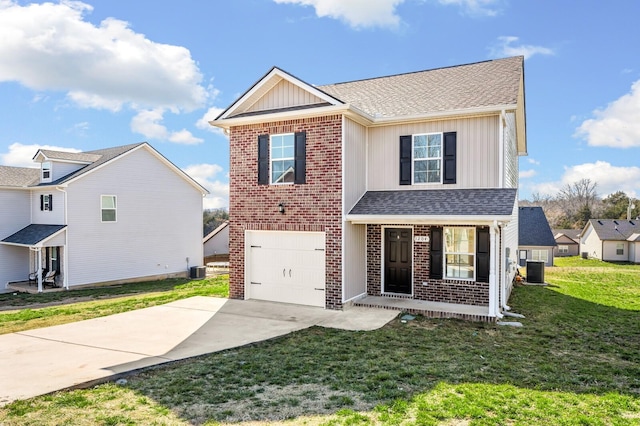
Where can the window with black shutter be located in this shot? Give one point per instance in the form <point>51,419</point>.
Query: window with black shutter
<point>435,254</point>
<point>428,158</point>
<point>282,158</point>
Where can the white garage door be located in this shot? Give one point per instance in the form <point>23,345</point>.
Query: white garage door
<point>286,267</point>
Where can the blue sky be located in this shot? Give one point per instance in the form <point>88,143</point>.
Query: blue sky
<point>99,73</point>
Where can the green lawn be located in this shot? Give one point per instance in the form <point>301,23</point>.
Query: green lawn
<point>575,362</point>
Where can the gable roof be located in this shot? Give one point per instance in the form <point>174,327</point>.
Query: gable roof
<point>481,204</point>
<point>533,228</point>
<point>71,157</point>
<point>613,229</point>
<point>18,177</point>
<point>489,87</point>
<point>215,232</point>
<point>572,234</point>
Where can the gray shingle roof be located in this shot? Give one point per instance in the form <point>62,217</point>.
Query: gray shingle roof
<point>615,229</point>
<point>18,176</point>
<point>438,202</point>
<point>481,84</point>
<point>533,228</point>
<point>33,234</point>
<point>83,157</point>
<point>574,234</point>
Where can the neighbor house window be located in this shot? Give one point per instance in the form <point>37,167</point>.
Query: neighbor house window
<point>427,158</point>
<point>540,255</point>
<point>46,202</point>
<point>563,249</point>
<point>46,170</point>
<point>282,154</point>
<point>620,249</point>
<point>459,256</point>
<point>108,207</point>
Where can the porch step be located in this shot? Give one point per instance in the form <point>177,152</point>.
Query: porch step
<point>428,309</point>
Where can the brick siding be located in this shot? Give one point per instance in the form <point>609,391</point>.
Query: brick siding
<point>424,288</point>
<point>313,206</point>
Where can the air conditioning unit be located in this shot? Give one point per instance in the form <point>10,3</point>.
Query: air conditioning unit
<point>535,272</point>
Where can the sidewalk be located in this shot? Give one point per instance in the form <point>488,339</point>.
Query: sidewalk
<point>40,361</point>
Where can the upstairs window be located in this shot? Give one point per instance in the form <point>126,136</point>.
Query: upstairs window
<point>46,202</point>
<point>108,208</point>
<point>46,171</point>
<point>427,158</point>
<point>282,158</point>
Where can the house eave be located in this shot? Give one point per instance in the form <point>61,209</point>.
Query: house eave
<point>368,219</point>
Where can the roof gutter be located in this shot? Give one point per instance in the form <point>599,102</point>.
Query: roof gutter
<point>363,219</point>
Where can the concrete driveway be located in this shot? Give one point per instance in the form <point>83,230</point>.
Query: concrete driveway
<point>44,360</point>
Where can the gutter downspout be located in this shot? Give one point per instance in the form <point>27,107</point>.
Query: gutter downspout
<point>506,273</point>
<point>65,267</point>
<point>494,305</point>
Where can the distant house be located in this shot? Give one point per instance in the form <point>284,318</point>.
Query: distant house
<point>216,244</point>
<point>536,241</point>
<point>616,240</point>
<point>112,215</point>
<point>568,242</point>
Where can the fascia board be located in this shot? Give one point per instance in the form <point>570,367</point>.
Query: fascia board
<point>421,219</point>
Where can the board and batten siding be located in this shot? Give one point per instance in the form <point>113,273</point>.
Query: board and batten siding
<point>510,152</point>
<point>284,95</point>
<point>354,187</point>
<point>48,217</point>
<point>15,209</point>
<point>159,222</point>
<point>477,161</point>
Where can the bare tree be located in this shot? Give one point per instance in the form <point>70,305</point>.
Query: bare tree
<point>577,201</point>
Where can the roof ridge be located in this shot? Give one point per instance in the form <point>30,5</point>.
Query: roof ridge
<point>421,71</point>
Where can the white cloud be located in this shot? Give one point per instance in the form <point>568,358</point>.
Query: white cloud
<point>206,175</point>
<point>609,179</point>
<point>20,155</point>
<point>475,7</point>
<point>356,13</point>
<point>505,47</point>
<point>527,174</point>
<point>203,122</point>
<point>617,125</point>
<point>50,46</point>
<point>533,161</point>
<point>149,124</point>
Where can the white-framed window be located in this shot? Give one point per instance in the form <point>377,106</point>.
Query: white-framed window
<point>46,171</point>
<point>46,202</point>
<point>459,253</point>
<point>427,158</point>
<point>108,208</point>
<point>562,249</point>
<point>540,255</point>
<point>282,155</point>
<point>620,249</point>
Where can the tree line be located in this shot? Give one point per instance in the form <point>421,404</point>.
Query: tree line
<point>212,218</point>
<point>578,202</point>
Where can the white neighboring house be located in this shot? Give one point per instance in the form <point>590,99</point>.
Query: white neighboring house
<point>216,242</point>
<point>112,215</point>
<point>616,240</point>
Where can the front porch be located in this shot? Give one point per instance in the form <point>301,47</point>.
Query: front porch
<point>427,308</point>
<point>30,287</point>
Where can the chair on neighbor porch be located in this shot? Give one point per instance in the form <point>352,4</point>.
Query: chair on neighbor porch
<point>33,276</point>
<point>50,279</point>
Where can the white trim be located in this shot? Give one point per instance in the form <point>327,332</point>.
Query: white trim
<point>115,208</point>
<point>424,219</point>
<point>343,214</point>
<point>501,149</point>
<point>271,159</point>
<point>474,254</point>
<point>427,158</point>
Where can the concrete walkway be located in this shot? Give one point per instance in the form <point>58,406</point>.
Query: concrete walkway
<point>40,361</point>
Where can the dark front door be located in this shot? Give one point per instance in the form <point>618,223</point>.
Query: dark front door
<point>397,260</point>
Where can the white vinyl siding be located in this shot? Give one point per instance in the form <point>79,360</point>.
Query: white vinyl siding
<point>108,208</point>
<point>159,222</point>
<point>61,169</point>
<point>611,251</point>
<point>477,156</point>
<point>355,184</point>
<point>48,217</point>
<point>511,169</point>
<point>15,208</point>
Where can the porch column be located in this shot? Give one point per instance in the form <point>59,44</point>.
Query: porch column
<point>39,257</point>
<point>494,308</point>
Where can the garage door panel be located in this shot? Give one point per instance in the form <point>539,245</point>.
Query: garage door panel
<point>286,267</point>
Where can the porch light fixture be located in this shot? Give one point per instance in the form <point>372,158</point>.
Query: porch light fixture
<point>281,208</point>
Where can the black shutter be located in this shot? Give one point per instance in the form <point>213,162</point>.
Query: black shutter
<point>263,160</point>
<point>435,255</point>
<point>50,202</point>
<point>482,254</point>
<point>405,160</point>
<point>449,158</point>
<point>41,202</point>
<point>300,157</point>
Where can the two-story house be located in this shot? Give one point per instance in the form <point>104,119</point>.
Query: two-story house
<point>397,191</point>
<point>112,215</point>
